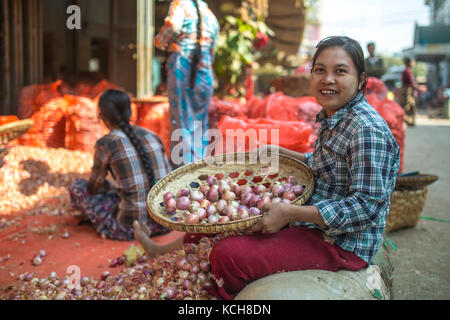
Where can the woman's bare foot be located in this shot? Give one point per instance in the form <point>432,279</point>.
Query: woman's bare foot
<point>142,235</point>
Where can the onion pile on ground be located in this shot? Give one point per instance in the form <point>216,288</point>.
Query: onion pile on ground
<point>183,274</point>
<point>35,180</point>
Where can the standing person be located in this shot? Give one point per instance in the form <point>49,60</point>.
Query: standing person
<point>189,34</point>
<point>374,64</point>
<point>136,159</point>
<point>407,97</point>
<point>355,163</point>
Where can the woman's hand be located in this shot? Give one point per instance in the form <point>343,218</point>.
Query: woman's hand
<point>278,215</point>
<point>275,217</point>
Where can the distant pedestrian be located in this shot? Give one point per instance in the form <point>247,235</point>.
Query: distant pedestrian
<point>374,64</point>
<point>409,85</point>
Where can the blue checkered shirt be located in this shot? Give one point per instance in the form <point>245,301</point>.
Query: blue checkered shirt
<point>355,162</point>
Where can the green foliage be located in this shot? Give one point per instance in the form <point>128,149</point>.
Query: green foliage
<point>235,52</point>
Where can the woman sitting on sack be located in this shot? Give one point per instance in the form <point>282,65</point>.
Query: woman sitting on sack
<point>355,162</point>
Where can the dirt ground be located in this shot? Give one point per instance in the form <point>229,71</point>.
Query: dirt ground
<point>423,254</point>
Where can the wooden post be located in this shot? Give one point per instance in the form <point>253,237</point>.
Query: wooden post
<point>112,42</point>
<point>145,34</point>
<point>16,53</point>
<point>5,68</point>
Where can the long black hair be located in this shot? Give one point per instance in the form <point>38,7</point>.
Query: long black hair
<point>353,49</point>
<point>115,108</point>
<point>198,48</point>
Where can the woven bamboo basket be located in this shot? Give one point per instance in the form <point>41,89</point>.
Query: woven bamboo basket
<point>405,209</point>
<point>241,168</point>
<point>415,182</point>
<point>13,130</point>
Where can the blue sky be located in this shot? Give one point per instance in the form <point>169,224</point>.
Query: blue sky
<point>389,23</point>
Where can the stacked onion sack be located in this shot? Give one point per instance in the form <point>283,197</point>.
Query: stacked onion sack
<point>224,200</point>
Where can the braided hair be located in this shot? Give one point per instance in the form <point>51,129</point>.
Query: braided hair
<point>198,48</point>
<point>115,109</point>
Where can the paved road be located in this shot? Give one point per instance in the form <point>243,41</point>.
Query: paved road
<point>423,256</point>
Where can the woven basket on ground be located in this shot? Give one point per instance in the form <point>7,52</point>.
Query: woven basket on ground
<point>13,130</point>
<point>241,168</point>
<point>414,182</point>
<point>405,209</point>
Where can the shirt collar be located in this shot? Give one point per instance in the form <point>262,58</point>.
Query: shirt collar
<point>118,132</point>
<point>338,115</point>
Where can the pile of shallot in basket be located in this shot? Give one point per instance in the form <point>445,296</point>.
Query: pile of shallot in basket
<point>222,201</point>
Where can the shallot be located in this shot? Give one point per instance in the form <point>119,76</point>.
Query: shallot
<point>192,219</point>
<point>212,195</point>
<point>228,195</point>
<point>36,260</point>
<point>221,206</point>
<point>211,210</point>
<point>183,193</point>
<point>297,189</point>
<point>183,203</point>
<point>194,206</point>
<point>171,205</point>
<point>254,211</point>
<point>246,189</point>
<point>246,197</point>
<point>260,189</point>
<point>213,219</point>
<point>167,196</point>
<point>205,266</point>
<point>289,195</point>
<point>211,180</point>
<point>196,196</point>
<point>201,214</point>
<point>254,200</point>
<point>204,188</point>
<point>291,180</point>
<point>224,219</point>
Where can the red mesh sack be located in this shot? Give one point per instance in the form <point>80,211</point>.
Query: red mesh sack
<point>293,135</point>
<point>156,118</point>
<point>32,97</point>
<point>219,108</point>
<point>278,106</point>
<point>49,125</point>
<point>393,114</point>
<point>83,127</point>
<point>376,86</point>
<point>103,85</point>
<point>8,119</point>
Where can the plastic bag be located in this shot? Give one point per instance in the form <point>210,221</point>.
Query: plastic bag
<point>156,118</point>
<point>293,135</point>
<point>278,106</point>
<point>219,108</point>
